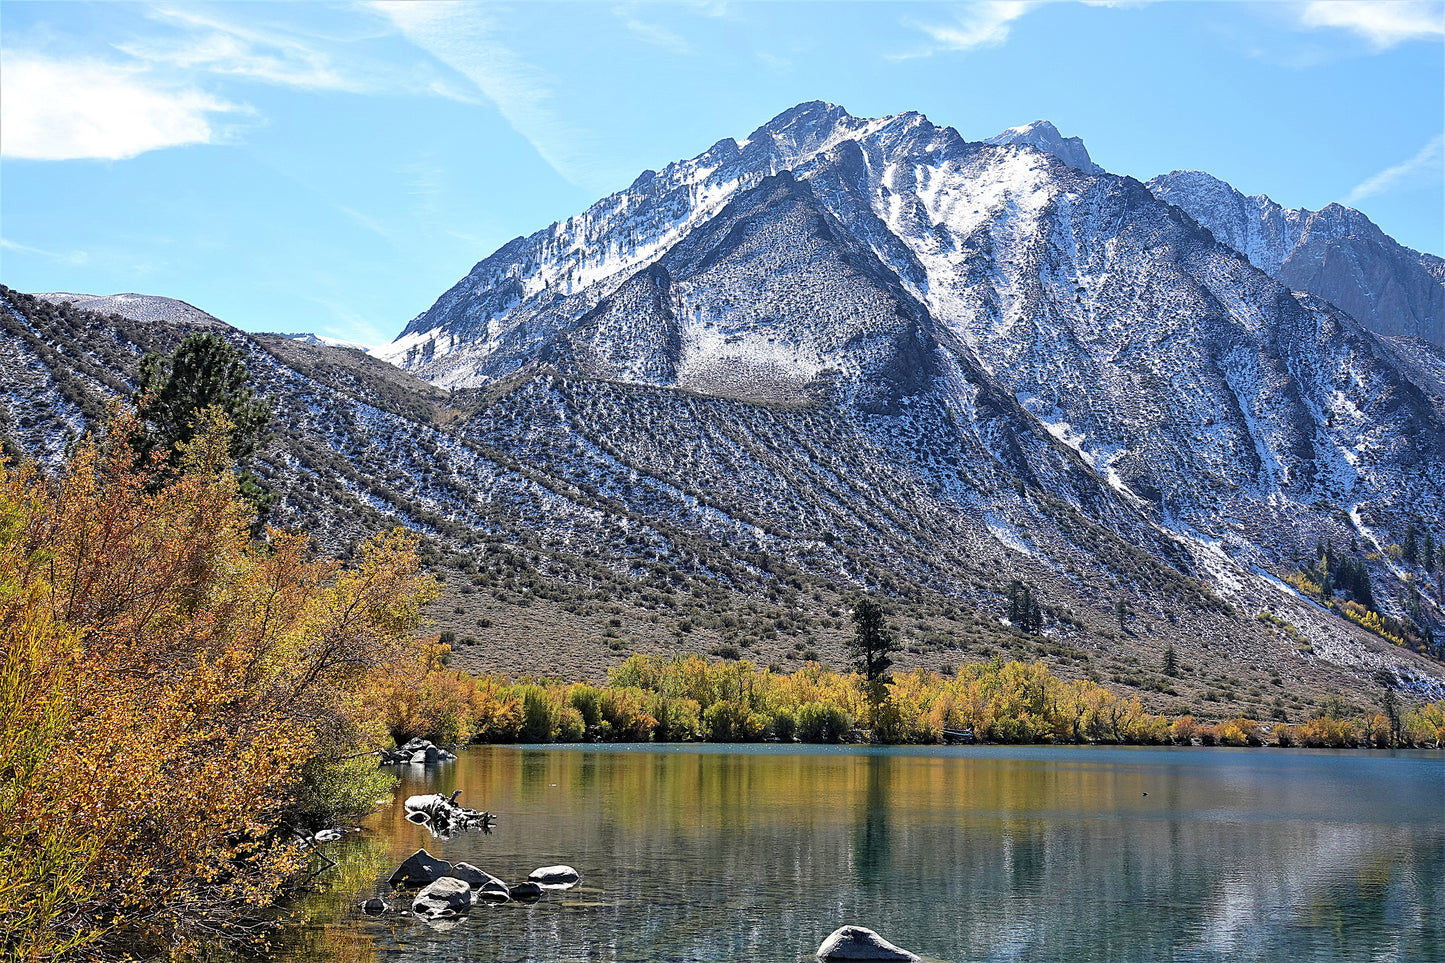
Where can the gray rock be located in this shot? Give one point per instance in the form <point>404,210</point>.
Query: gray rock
<point>484,884</point>
<point>446,897</point>
<point>420,869</point>
<point>375,906</point>
<point>555,877</point>
<point>528,892</point>
<point>860,943</point>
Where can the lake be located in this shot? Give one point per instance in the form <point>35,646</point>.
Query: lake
<point>756,853</point>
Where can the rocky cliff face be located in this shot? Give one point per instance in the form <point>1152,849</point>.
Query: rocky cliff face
<point>1336,253</point>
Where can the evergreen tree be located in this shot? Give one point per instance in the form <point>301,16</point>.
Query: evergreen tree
<point>1121,612</point>
<point>1171,661</point>
<point>205,371</point>
<point>1410,550</point>
<point>173,394</point>
<point>872,640</point>
<point>1023,608</point>
<point>1428,554</point>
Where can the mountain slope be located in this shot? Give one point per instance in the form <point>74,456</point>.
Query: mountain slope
<point>920,272</point>
<point>576,519</point>
<point>1336,253</point>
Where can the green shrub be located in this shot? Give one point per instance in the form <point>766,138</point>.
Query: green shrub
<point>570,727</point>
<point>785,725</point>
<point>539,715</point>
<point>820,722</point>
<point>587,700</point>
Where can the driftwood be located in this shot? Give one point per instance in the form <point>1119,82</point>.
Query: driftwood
<point>443,817</point>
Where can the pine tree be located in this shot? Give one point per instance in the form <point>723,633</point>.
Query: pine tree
<point>1410,550</point>
<point>174,395</point>
<point>205,371</point>
<point>1023,608</point>
<point>1428,555</point>
<point>872,640</point>
<point>1171,661</point>
<point>1121,612</point>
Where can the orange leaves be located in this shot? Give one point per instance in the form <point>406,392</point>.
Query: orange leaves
<point>167,682</point>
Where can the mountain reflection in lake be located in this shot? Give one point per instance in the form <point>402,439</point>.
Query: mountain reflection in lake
<point>987,853</point>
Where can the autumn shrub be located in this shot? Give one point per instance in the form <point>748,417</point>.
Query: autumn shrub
<point>540,715</point>
<point>1325,732</point>
<point>1424,727</point>
<point>785,724</point>
<point>625,713</point>
<point>678,719</point>
<point>587,700</point>
<point>1183,731</point>
<point>1238,731</point>
<point>176,695</point>
<point>820,722</point>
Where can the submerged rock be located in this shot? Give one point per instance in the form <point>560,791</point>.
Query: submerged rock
<point>375,906</point>
<point>484,884</point>
<point>555,877</point>
<point>446,897</point>
<point>420,869</point>
<point>528,892</point>
<point>860,943</point>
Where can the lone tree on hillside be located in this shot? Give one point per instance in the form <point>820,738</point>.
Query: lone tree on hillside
<point>1023,608</point>
<point>872,640</point>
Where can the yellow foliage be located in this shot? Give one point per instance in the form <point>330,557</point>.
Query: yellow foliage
<point>1370,620</point>
<point>166,683</point>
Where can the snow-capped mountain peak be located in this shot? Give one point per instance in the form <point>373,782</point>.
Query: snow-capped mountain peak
<point>1046,137</point>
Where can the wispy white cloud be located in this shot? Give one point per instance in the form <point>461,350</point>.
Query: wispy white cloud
<point>462,36</point>
<point>74,258</point>
<point>68,110</point>
<point>973,26</point>
<point>1384,23</point>
<point>205,43</point>
<point>652,33</point>
<point>366,221</point>
<point>1428,166</point>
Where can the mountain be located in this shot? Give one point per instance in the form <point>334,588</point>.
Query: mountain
<point>1046,137</point>
<point>1336,253</point>
<point>847,354</point>
<point>576,519</point>
<point>1058,322</point>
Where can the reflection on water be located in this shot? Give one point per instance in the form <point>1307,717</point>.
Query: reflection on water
<point>757,853</point>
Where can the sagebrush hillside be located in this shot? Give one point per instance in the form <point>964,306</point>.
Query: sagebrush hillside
<point>577,519</point>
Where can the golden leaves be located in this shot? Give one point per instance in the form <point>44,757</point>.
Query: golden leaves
<point>166,682</point>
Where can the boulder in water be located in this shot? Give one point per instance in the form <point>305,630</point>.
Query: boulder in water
<point>555,877</point>
<point>375,906</point>
<point>484,885</point>
<point>860,943</point>
<point>528,892</point>
<point>420,869</point>
<point>446,897</point>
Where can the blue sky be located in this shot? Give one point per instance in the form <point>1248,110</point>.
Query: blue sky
<point>334,168</point>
